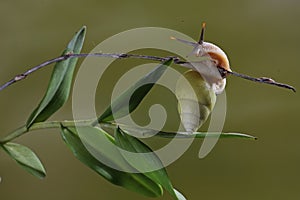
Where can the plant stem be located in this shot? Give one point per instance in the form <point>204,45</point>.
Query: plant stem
<point>43,125</point>
<point>112,125</point>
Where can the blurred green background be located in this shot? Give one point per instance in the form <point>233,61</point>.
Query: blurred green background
<point>261,38</point>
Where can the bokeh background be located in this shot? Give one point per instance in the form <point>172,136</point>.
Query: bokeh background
<point>261,38</point>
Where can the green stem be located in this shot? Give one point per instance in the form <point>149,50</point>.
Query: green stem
<point>43,125</point>
<point>141,131</point>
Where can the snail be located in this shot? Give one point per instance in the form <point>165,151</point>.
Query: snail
<point>196,90</point>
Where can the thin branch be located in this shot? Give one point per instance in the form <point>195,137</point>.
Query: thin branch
<point>33,69</point>
<point>144,57</point>
<point>22,76</point>
<point>265,80</point>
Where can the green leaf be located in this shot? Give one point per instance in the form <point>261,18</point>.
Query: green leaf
<point>26,158</point>
<point>132,181</point>
<point>205,134</point>
<point>151,132</point>
<point>140,156</point>
<point>223,135</point>
<point>179,195</point>
<point>134,95</point>
<point>60,82</point>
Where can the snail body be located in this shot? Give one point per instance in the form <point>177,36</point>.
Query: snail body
<point>196,100</point>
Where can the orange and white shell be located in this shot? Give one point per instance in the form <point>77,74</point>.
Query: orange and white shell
<point>208,68</point>
<point>215,53</point>
<point>206,58</point>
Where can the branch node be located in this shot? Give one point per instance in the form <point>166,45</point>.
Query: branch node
<point>19,77</point>
<point>123,55</point>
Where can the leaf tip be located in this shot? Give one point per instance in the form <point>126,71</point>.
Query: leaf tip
<point>83,28</point>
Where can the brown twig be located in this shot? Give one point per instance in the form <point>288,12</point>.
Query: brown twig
<point>265,80</point>
<point>68,56</point>
<point>145,57</point>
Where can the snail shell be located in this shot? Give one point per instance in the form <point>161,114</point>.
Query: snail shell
<point>196,90</point>
<point>208,68</point>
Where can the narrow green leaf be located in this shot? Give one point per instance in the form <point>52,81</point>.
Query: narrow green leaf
<point>134,95</point>
<point>223,135</point>
<point>179,195</point>
<point>132,181</point>
<point>26,158</point>
<point>60,82</point>
<point>151,132</point>
<point>205,134</point>
<point>102,146</point>
<point>144,159</point>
